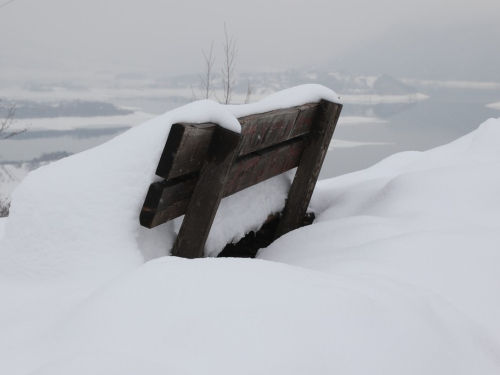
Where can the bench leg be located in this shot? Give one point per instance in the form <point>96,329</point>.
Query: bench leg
<point>307,174</point>
<point>200,214</point>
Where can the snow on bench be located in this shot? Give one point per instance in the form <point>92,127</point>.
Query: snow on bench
<point>201,164</point>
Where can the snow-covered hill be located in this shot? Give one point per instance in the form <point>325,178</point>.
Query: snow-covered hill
<point>12,173</point>
<point>352,88</point>
<point>398,274</point>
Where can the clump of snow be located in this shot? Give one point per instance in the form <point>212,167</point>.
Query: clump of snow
<point>308,93</point>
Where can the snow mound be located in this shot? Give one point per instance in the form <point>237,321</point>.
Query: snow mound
<point>269,319</point>
<point>430,219</point>
<point>82,212</point>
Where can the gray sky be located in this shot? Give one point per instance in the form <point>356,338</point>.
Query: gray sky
<point>166,37</point>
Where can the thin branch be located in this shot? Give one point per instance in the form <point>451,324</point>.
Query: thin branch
<point>230,53</point>
<point>249,91</point>
<point>6,123</point>
<point>193,94</point>
<point>4,207</point>
<point>206,82</point>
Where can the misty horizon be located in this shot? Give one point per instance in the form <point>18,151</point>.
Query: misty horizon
<point>158,40</point>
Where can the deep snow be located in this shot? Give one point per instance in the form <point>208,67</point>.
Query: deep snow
<point>398,274</point>
<point>88,202</point>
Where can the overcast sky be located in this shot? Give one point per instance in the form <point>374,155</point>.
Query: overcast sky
<point>166,37</point>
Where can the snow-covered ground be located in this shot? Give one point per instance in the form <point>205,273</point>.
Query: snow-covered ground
<point>10,177</point>
<point>398,274</point>
<point>481,85</point>
<point>386,99</point>
<point>72,123</point>
<point>3,220</point>
<point>494,105</point>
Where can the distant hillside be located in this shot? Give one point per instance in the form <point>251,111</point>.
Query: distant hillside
<point>342,82</point>
<point>76,108</point>
<point>12,173</point>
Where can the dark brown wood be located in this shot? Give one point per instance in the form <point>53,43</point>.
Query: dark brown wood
<point>207,194</point>
<point>307,174</point>
<point>248,246</point>
<point>256,167</point>
<point>187,144</point>
<point>185,149</point>
<point>167,200</point>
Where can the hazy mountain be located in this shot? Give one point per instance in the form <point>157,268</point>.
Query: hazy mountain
<point>447,53</point>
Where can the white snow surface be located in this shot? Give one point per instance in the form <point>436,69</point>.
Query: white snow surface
<point>494,105</point>
<point>398,274</point>
<point>3,220</point>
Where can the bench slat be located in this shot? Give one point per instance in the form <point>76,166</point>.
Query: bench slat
<point>167,200</point>
<point>187,144</point>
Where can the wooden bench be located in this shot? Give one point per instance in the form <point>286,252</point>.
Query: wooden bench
<point>201,164</point>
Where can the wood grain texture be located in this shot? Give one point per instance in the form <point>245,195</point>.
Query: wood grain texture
<point>167,200</point>
<point>322,129</point>
<point>207,194</point>
<point>185,149</point>
<point>187,144</point>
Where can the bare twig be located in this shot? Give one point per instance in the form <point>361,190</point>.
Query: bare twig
<point>249,91</point>
<point>207,80</point>
<point>193,94</point>
<point>6,123</point>
<point>227,73</point>
<point>4,207</point>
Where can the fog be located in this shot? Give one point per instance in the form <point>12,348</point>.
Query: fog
<point>108,58</point>
<point>166,38</point>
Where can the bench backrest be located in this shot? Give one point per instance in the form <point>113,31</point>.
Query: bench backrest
<point>203,163</point>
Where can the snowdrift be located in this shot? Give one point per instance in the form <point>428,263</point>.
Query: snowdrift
<point>398,274</point>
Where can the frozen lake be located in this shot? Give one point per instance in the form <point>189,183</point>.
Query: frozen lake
<point>445,116</point>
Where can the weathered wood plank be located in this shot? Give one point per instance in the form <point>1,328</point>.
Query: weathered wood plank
<point>185,149</point>
<point>307,174</point>
<point>169,199</point>
<point>207,194</point>
<point>251,169</point>
<point>187,144</point>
